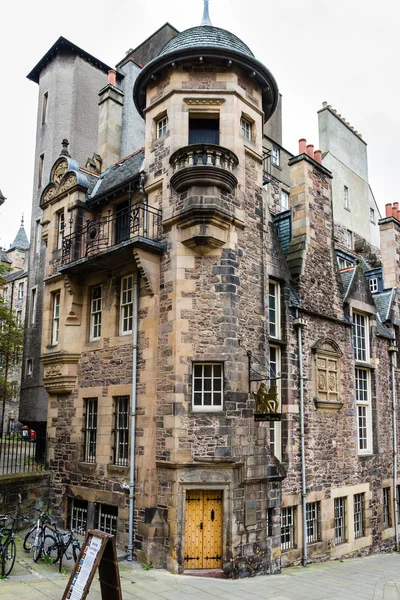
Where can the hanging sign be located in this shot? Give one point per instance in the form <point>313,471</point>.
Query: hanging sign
<point>267,404</point>
<point>98,552</point>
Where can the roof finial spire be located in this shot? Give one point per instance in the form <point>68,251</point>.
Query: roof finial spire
<point>22,220</point>
<point>206,16</point>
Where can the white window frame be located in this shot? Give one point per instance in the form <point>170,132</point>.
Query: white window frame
<point>340,516</point>
<point>361,337</point>
<point>275,427</point>
<point>33,305</point>
<point>349,239</point>
<point>284,204</point>
<point>372,214</point>
<point>346,199</point>
<point>276,156</point>
<point>363,408</point>
<point>373,285</point>
<point>288,541</point>
<point>55,327</point>
<point>38,239</point>
<point>126,305</point>
<point>95,312</point>
<point>60,228</point>
<point>312,522</point>
<point>358,515</point>
<point>274,309</point>
<point>161,126</point>
<point>29,366</point>
<point>21,289</point>
<point>205,382</point>
<point>19,317</point>
<point>246,127</point>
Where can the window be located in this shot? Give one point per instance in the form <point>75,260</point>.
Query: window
<point>38,236</point>
<point>273,309</point>
<point>79,510</point>
<point>312,522</point>
<point>19,317</point>
<point>204,129</point>
<point>358,515</point>
<point>360,337</point>
<point>373,285</point>
<point>275,426</point>
<point>60,229</point>
<point>20,291</point>
<point>287,528</point>
<point>246,128</point>
<point>44,107</point>
<point>340,520</point>
<point>346,197</point>
<point>363,401</point>
<point>5,293</point>
<point>106,518</point>
<point>344,264</point>
<point>372,215</point>
<point>284,200</point>
<point>56,319</point>
<point>90,430</point>
<point>386,507</point>
<point>95,313</point>
<point>40,170</point>
<point>398,503</point>
<point>33,305</point>
<point>29,366</point>
<point>349,239</point>
<point>162,126</point>
<point>126,308</point>
<point>207,386</point>
<point>276,155</point>
<point>121,430</point>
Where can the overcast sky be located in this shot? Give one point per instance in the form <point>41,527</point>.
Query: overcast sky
<point>344,51</point>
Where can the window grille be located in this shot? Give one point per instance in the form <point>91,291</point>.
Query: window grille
<point>207,386</point>
<point>79,509</point>
<point>358,503</point>
<point>90,430</point>
<point>106,518</point>
<point>287,528</point>
<point>121,431</point>
<point>312,522</point>
<point>386,507</point>
<point>340,520</point>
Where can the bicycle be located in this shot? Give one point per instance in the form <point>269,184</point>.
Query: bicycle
<point>56,546</point>
<point>8,549</point>
<point>35,536</point>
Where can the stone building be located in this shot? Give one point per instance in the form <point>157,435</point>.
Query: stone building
<point>15,259</point>
<point>220,366</point>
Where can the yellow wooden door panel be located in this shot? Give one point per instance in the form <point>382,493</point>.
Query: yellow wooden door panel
<point>193,552</point>
<point>212,530</point>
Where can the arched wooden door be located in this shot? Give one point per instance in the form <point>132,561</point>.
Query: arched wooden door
<point>203,529</point>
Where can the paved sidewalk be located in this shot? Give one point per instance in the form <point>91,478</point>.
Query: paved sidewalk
<point>371,578</point>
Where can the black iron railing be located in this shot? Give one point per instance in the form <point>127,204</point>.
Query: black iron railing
<point>104,232</point>
<point>22,455</point>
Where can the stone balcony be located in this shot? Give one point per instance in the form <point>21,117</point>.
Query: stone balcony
<point>204,165</point>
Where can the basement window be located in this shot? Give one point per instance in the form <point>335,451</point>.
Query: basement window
<point>106,518</point>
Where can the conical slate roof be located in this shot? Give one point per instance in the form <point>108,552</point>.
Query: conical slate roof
<point>206,36</point>
<point>21,241</point>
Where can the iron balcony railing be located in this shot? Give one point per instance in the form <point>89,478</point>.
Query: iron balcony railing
<point>104,232</point>
<point>22,455</point>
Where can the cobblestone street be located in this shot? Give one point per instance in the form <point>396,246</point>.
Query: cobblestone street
<point>372,578</point>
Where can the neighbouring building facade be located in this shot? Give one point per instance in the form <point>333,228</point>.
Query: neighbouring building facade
<point>219,354</point>
<point>14,292</point>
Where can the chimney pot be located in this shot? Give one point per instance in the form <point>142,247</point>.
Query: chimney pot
<point>310,150</point>
<point>318,156</point>
<point>302,145</point>
<point>388,210</point>
<point>112,77</point>
<point>395,209</point>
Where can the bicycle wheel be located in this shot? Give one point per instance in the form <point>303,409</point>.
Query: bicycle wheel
<point>38,546</point>
<point>30,539</point>
<point>76,548</point>
<point>51,549</point>
<point>8,559</point>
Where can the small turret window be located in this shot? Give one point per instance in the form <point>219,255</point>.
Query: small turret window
<point>162,127</point>
<point>246,128</point>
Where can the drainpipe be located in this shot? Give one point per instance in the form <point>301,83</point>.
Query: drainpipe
<point>392,349</point>
<point>299,323</point>
<point>133,413</point>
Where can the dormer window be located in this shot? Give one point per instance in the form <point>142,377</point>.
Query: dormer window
<point>204,129</point>
<point>373,285</point>
<point>162,127</point>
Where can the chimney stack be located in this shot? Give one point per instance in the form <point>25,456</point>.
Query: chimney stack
<point>302,146</point>
<point>110,121</point>
<point>389,228</point>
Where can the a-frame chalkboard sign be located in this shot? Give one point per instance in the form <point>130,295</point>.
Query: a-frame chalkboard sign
<point>98,552</point>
